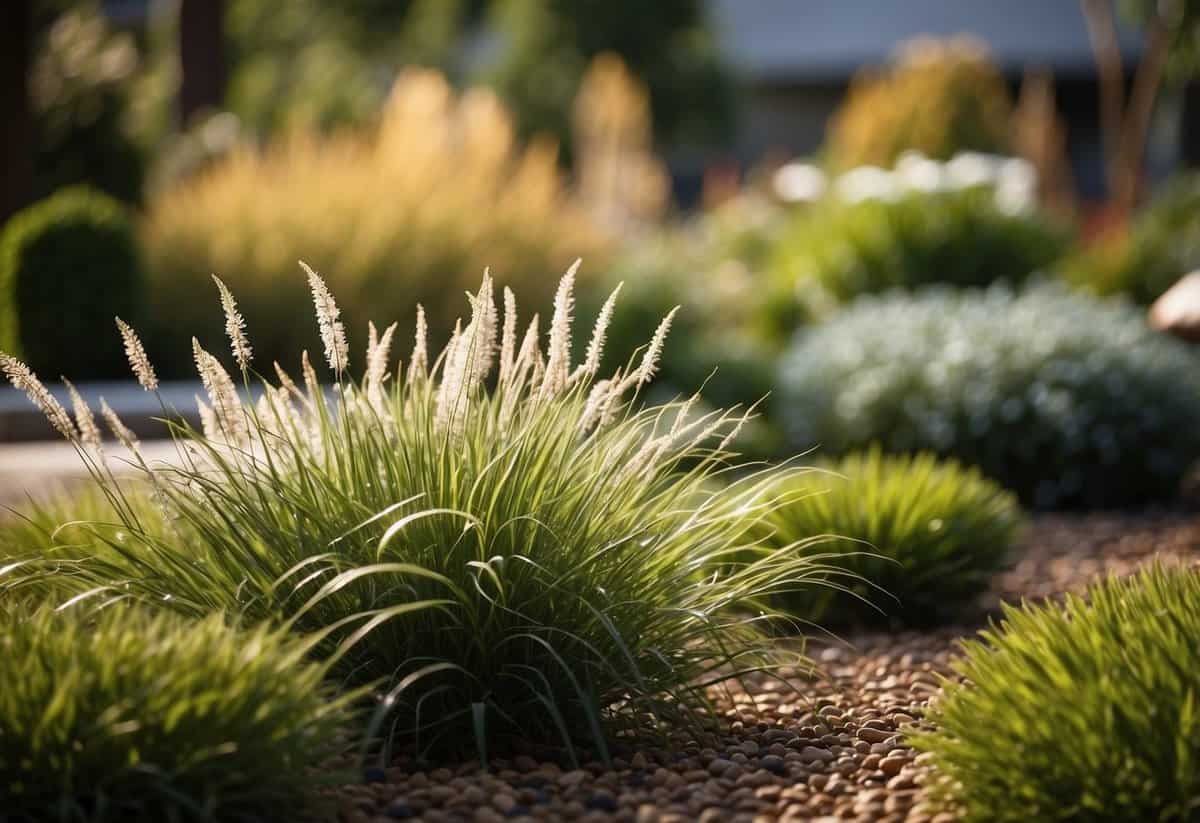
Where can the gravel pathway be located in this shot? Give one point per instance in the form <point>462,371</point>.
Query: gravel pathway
<point>827,750</point>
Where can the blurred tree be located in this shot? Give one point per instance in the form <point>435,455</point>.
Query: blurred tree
<point>281,75</point>
<point>548,44</point>
<point>1180,20</point>
<point>1172,48</point>
<point>80,84</point>
<point>16,138</point>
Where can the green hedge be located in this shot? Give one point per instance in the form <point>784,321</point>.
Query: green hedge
<point>68,264</point>
<point>840,250</point>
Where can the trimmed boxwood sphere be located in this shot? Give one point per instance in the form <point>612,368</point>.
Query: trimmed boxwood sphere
<point>1067,400</point>
<point>68,264</point>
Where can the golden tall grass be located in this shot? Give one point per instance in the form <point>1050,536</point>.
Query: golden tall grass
<point>938,97</point>
<point>399,215</point>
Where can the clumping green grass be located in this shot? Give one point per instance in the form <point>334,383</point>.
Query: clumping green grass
<point>123,714</point>
<point>1085,710</point>
<point>530,560</point>
<point>914,538</point>
<point>69,524</point>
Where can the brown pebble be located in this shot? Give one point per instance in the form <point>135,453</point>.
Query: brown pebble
<point>811,754</point>
<point>873,735</point>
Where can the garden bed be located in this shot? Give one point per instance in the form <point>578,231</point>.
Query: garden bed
<point>828,748</point>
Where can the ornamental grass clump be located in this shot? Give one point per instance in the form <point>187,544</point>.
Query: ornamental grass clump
<point>1068,401</point>
<point>503,544</point>
<point>916,538</point>
<point>1084,710</point>
<point>121,714</point>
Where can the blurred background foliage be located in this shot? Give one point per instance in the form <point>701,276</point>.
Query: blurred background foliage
<point>1162,243</point>
<point>401,147</point>
<point>409,212</point>
<point>81,87</point>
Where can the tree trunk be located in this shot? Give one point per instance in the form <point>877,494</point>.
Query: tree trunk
<point>16,137</point>
<point>201,57</point>
<point>1146,83</point>
<point>1102,31</point>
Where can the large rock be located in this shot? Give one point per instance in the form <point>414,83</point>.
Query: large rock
<point>1177,312</point>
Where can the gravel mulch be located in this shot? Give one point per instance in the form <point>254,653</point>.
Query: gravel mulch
<point>827,749</point>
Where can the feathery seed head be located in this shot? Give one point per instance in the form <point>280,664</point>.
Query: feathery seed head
<point>208,420</point>
<point>418,364</point>
<point>333,334</point>
<point>24,379</point>
<point>235,326</point>
<point>120,431</point>
<point>558,351</point>
<point>377,354</point>
<point>136,353</point>
<point>311,385</point>
<point>595,349</point>
<point>222,393</point>
<point>89,433</point>
<point>508,339</point>
<point>650,359</point>
<point>285,380</point>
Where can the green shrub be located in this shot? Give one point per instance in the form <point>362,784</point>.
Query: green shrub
<point>939,97</point>
<point>525,561</point>
<point>916,538</point>
<point>840,250</point>
<point>1162,246</point>
<point>123,715</point>
<point>67,265</point>
<point>1064,399</point>
<point>1079,711</point>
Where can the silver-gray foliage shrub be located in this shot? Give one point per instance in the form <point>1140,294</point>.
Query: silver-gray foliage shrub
<point>1065,399</point>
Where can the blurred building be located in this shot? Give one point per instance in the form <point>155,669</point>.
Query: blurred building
<point>796,58</point>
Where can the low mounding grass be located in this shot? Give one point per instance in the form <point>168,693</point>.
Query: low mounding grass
<point>917,538</point>
<point>125,715</point>
<point>64,519</point>
<point>533,560</point>
<point>70,524</point>
<point>1081,711</point>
